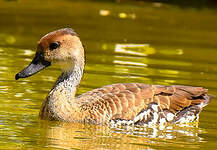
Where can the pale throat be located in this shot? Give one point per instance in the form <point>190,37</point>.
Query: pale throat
<point>70,78</point>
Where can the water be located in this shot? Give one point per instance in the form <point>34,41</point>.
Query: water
<point>137,42</point>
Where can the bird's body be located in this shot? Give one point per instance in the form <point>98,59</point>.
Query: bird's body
<point>123,103</point>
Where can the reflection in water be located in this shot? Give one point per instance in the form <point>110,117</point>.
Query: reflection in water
<point>128,63</point>
<point>136,60</point>
<point>169,131</point>
<point>80,136</point>
<point>134,49</point>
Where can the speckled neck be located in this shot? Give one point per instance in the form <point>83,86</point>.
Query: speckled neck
<point>61,101</point>
<point>69,80</point>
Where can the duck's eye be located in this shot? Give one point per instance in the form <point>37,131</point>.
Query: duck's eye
<point>54,45</point>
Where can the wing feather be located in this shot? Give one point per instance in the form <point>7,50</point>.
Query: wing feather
<point>125,101</point>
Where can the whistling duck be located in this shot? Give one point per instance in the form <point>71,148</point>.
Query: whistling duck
<point>123,103</point>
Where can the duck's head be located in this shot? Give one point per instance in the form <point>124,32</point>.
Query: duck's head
<point>62,46</point>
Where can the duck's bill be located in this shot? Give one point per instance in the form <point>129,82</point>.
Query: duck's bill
<point>37,64</point>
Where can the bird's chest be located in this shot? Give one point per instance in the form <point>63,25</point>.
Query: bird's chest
<point>60,106</point>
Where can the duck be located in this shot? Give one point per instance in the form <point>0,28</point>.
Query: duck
<point>119,103</point>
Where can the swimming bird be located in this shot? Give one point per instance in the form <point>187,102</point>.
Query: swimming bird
<point>122,103</point>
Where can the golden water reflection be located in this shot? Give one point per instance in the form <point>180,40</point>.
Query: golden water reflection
<point>80,136</point>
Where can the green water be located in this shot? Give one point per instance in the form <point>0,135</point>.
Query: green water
<point>137,42</point>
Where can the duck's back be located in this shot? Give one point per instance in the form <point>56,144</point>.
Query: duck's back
<point>137,103</point>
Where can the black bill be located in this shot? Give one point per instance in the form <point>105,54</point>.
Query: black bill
<point>37,64</point>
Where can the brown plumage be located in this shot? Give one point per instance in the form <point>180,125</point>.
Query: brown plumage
<point>124,103</point>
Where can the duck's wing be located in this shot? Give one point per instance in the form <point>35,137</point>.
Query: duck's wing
<point>126,101</point>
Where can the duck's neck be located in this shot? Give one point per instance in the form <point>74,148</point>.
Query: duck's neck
<point>61,102</point>
<point>70,79</point>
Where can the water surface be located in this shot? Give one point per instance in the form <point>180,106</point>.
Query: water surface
<point>138,42</point>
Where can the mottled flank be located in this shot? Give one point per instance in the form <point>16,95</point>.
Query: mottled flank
<point>137,103</point>
<point>116,104</point>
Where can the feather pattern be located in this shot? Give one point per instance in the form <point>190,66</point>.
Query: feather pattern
<point>127,101</point>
